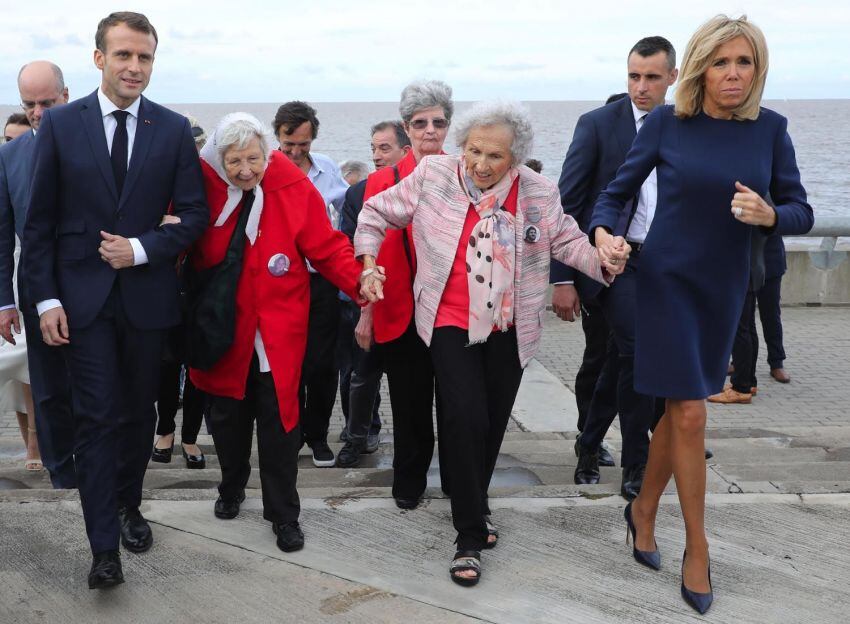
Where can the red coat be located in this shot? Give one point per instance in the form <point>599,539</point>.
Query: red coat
<point>392,315</point>
<point>294,222</point>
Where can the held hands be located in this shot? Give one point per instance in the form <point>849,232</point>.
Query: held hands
<point>372,283</point>
<point>9,320</point>
<point>364,333</point>
<point>116,250</point>
<point>613,251</point>
<point>749,207</point>
<point>54,327</point>
<point>565,302</point>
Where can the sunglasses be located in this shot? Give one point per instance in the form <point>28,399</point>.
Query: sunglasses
<point>421,124</point>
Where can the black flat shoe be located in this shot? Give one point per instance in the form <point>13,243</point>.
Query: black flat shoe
<point>228,509</point>
<point>709,453</point>
<point>605,457</point>
<point>136,534</point>
<point>466,561</point>
<point>196,462</point>
<point>699,602</point>
<point>289,536</point>
<point>106,570</point>
<point>407,503</point>
<point>649,558</point>
<point>587,468</point>
<point>162,455</point>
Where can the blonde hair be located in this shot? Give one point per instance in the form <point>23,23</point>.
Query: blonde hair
<point>698,56</point>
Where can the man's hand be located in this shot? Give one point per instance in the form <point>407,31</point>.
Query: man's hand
<point>116,250</point>
<point>364,333</point>
<point>8,320</point>
<point>565,302</point>
<point>54,327</point>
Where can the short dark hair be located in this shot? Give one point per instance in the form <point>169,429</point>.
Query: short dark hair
<point>17,119</point>
<point>615,97</point>
<point>534,165</point>
<point>397,127</point>
<point>134,21</point>
<point>653,45</point>
<point>292,114</point>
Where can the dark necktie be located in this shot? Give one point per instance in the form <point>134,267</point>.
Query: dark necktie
<point>641,120</point>
<point>119,150</point>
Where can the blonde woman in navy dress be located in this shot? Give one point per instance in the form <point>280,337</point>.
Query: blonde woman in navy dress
<point>717,154</point>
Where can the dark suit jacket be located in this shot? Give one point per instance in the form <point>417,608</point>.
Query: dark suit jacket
<point>601,140</point>
<point>73,197</point>
<point>15,163</point>
<point>351,209</point>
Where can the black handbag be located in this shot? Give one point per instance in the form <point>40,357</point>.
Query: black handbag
<point>210,297</point>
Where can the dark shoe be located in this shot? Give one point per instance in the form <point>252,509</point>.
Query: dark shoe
<point>162,456</point>
<point>197,462</point>
<point>228,509</point>
<point>343,435</point>
<point>699,602</point>
<point>106,570</point>
<point>632,481</point>
<point>605,457</point>
<point>651,559</point>
<point>587,469</point>
<point>780,375</point>
<point>466,561</point>
<point>136,535</point>
<point>323,456</point>
<point>373,441</point>
<point>289,536</point>
<point>407,503</point>
<point>349,455</point>
<point>709,453</point>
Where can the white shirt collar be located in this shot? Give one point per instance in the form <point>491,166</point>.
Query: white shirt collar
<point>107,105</point>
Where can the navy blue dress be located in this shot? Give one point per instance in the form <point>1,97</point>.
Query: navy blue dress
<point>694,266</point>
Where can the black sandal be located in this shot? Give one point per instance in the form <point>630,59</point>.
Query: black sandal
<point>465,561</point>
<point>491,531</point>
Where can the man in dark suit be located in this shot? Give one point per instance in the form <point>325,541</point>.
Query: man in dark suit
<point>100,268</point>
<point>41,86</point>
<point>600,143</point>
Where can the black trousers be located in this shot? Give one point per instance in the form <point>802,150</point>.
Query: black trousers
<point>590,373</point>
<point>114,371</point>
<point>233,431</point>
<point>637,411</point>
<point>317,391</point>
<point>768,298</point>
<point>410,377</point>
<point>360,375</point>
<point>194,403</point>
<point>478,386</point>
<point>745,348</point>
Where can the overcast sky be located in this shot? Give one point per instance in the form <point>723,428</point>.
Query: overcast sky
<point>367,50</point>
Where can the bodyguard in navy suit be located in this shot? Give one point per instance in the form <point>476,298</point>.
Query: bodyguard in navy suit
<point>107,170</point>
<point>41,86</point>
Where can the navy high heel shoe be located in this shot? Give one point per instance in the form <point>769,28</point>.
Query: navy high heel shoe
<point>699,602</point>
<point>649,558</point>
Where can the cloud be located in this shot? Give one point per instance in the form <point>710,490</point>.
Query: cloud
<point>46,42</point>
<point>516,67</point>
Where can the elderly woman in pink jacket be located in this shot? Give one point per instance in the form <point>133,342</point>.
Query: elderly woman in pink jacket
<point>485,228</point>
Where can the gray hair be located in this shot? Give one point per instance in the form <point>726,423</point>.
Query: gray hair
<point>357,167</point>
<point>237,130</point>
<point>57,75</point>
<point>511,114</point>
<point>425,94</point>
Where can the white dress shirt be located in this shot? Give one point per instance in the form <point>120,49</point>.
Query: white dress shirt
<point>107,106</point>
<point>647,198</point>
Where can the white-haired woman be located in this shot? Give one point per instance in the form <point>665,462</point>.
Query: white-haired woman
<point>485,228</point>
<point>717,154</point>
<point>257,377</point>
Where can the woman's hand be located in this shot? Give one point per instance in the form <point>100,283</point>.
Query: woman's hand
<point>364,333</point>
<point>749,207</point>
<point>372,281</point>
<point>613,251</point>
<point>169,220</point>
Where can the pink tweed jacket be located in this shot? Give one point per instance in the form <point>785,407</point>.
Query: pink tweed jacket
<point>432,198</point>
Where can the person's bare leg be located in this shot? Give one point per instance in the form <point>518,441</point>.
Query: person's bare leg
<point>687,446</point>
<point>659,469</point>
<point>33,453</point>
<point>23,425</point>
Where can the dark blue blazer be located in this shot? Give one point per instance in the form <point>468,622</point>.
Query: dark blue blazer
<point>774,257</point>
<point>601,140</point>
<point>15,163</point>
<point>73,197</point>
<point>351,208</point>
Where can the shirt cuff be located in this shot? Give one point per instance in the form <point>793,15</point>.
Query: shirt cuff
<point>139,254</point>
<point>570,282</point>
<point>8,307</point>
<point>48,304</point>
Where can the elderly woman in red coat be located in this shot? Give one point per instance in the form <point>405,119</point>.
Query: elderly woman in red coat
<point>258,376</point>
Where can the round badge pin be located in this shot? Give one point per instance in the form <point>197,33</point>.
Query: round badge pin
<point>278,264</point>
<point>533,214</point>
<point>532,234</point>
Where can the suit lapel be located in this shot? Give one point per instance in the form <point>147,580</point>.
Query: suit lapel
<point>141,143</point>
<point>626,130</point>
<point>93,123</point>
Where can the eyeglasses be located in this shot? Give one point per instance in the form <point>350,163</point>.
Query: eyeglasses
<point>29,105</point>
<point>420,124</point>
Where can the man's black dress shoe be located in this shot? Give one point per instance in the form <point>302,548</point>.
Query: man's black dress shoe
<point>289,536</point>
<point>106,570</point>
<point>136,535</point>
<point>632,481</point>
<point>605,457</point>
<point>587,469</point>
<point>407,503</point>
<point>709,453</point>
<point>162,455</point>
<point>228,509</point>
<point>197,462</point>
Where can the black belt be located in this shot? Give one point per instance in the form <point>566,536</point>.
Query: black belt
<point>636,247</point>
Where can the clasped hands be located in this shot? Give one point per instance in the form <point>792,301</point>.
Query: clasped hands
<point>117,250</point>
<point>613,251</point>
<point>372,282</point>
